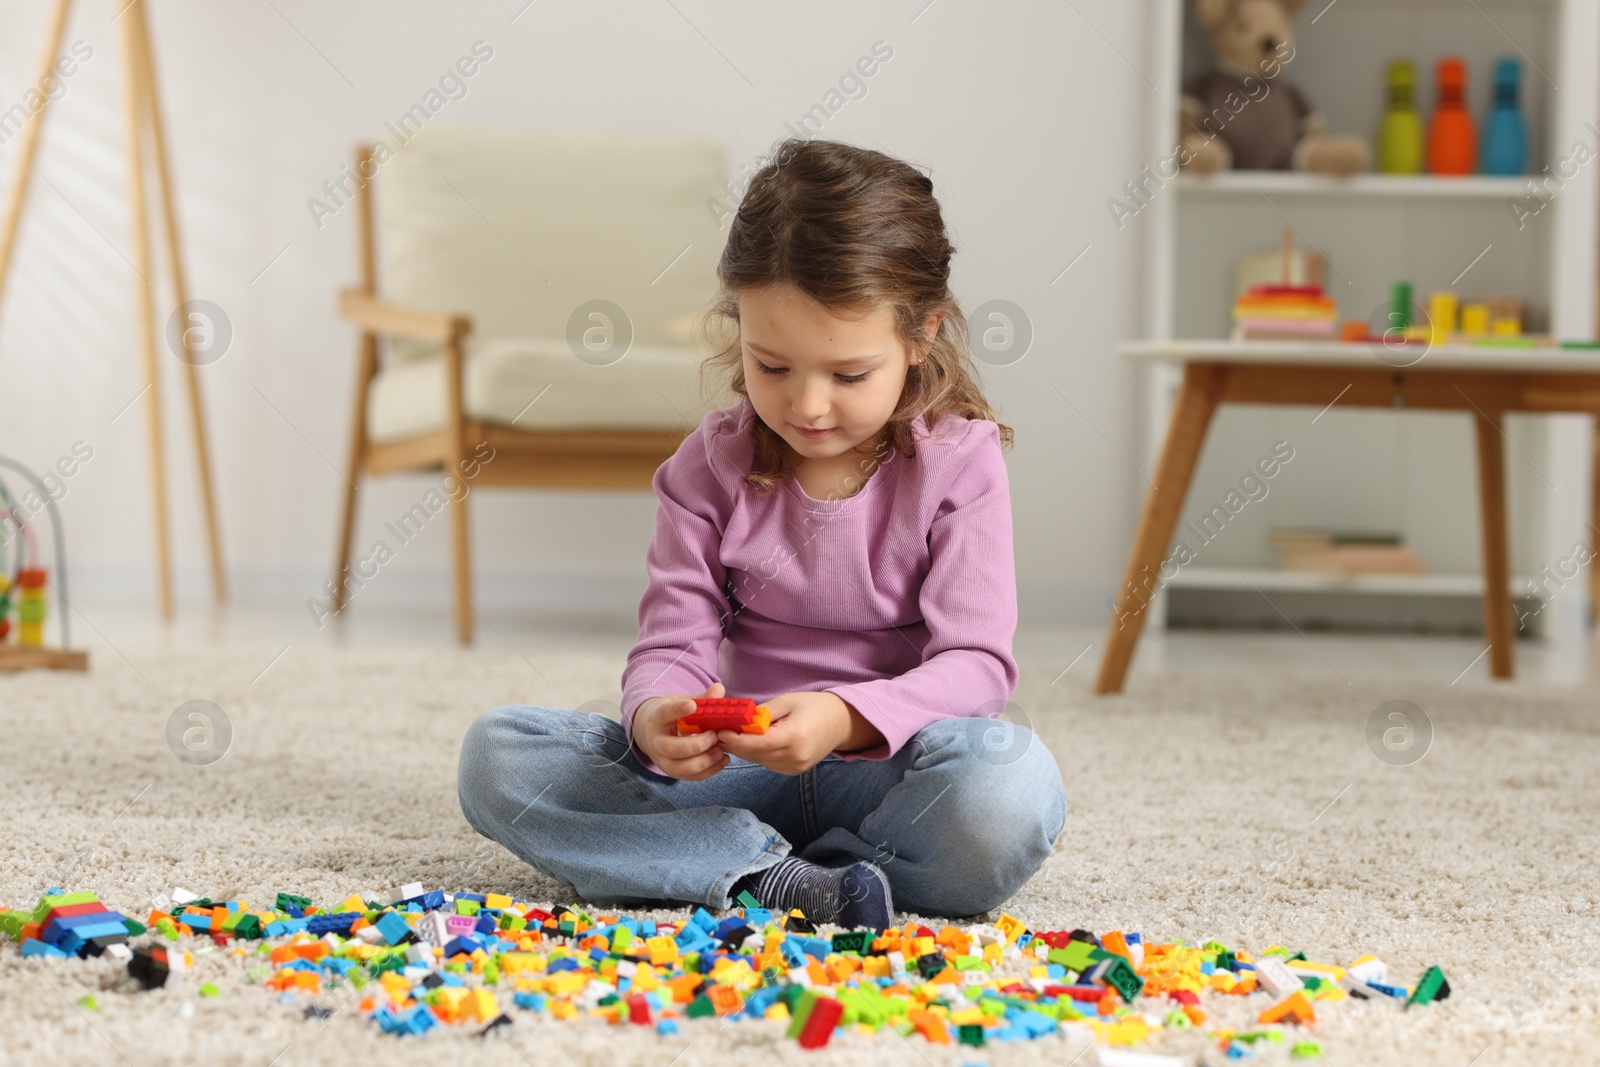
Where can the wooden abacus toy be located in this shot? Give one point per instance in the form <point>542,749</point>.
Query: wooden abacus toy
<point>26,582</point>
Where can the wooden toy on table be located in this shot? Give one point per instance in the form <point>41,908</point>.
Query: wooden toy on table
<point>1284,311</point>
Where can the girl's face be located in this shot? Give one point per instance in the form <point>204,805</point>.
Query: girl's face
<point>804,368</point>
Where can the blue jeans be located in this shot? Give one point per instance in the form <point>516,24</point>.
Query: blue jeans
<point>958,819</point>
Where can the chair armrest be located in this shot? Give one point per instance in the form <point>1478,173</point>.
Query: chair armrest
<point>372,314</point>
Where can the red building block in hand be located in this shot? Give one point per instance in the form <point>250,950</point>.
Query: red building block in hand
<point>726,713</point>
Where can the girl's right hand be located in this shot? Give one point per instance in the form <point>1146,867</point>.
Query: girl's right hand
<point>690,757</point>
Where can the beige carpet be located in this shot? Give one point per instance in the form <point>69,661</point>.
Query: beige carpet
<point>1200,808</point>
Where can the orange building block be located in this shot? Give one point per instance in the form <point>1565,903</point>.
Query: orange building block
<point>683,987</point>
<point>931,1027</point>
<point>725,999</point>
<point>1294,1008</point>
<point>1115,942</point>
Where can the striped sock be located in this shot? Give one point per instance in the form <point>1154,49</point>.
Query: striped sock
<point>857,895</point>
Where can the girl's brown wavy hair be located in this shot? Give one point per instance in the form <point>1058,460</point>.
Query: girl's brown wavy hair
<point>853,229</point>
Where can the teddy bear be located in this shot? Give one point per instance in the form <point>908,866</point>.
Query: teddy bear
<point>1243,114</point>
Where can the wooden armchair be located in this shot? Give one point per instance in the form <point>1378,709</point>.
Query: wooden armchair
<point>512,231</point>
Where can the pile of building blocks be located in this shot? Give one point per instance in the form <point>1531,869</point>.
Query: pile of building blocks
<point>420,959</point>
<point>70,924</point>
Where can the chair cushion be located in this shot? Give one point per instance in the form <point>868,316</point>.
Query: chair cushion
<point>653,387</point>
<point>519,227</point>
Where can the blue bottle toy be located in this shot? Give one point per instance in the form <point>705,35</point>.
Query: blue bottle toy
<point>1505,136</point>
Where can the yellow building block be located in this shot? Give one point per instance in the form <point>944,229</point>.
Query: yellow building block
<point>481,1005</point>
<point>662,950</point>
<point>1011,926</point>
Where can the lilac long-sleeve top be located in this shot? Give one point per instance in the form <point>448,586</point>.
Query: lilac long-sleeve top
<point>901,599</point>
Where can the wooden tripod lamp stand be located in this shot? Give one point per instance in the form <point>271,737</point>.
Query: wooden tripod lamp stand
<point>142,111</point>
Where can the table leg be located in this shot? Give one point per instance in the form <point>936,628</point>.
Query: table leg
<point>1497,606</point>
<point>1594,528</point>
<point>1191,416</point>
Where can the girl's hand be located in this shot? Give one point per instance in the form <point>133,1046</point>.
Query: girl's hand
<point>691,757</point>
<point>805,728</point>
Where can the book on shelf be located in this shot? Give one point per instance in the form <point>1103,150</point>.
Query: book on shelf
<point>1345,552</point>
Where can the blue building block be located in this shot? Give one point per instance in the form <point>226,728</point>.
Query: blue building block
<point>393,927</point>
<point>666,1026</point>
<point>463,944</point>
<point>813,946</point>
<point>34,947</point>
<point>428,901</point>
<point>56,928</point>
<point>338,922</point>
<point>531,1001</point>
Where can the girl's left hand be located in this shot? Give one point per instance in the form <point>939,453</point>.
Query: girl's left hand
<point>805,728</point>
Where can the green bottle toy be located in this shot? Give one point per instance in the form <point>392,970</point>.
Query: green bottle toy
<point>1400,139</point>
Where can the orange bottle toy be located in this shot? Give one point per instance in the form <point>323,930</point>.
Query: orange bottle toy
<point>1452,138</point>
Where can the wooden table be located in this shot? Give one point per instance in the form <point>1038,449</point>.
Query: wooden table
<point>1484,381</point>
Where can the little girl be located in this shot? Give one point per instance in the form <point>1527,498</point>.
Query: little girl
<point>837,545</point>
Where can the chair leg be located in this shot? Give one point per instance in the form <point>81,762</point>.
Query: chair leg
<point>347,523</point>
<point>1497,606</point>
<point>1594,527</point>
<point>1191,416</point>
<point>366,367</point>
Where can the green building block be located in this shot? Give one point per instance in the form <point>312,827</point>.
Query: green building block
<point>1253,1036</point>
<point>799,1013</point>
<point>1430,987</point>
<point>1119,974</point>
<point>1076,956</point>
<point>287,900</point>
<point>701,1007</point>
<point>971,1034</point>
<point>1304,1050</point>
<point>857,941</point>
<point>88,1001</point>
<point>746,899</point>
<point>207,989</point>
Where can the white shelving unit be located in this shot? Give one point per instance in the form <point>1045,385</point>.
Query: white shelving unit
<point>1289,183</point>
<point>1355,468</point>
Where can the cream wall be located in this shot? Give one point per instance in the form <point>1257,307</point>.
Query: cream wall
<point>1028,114</point>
